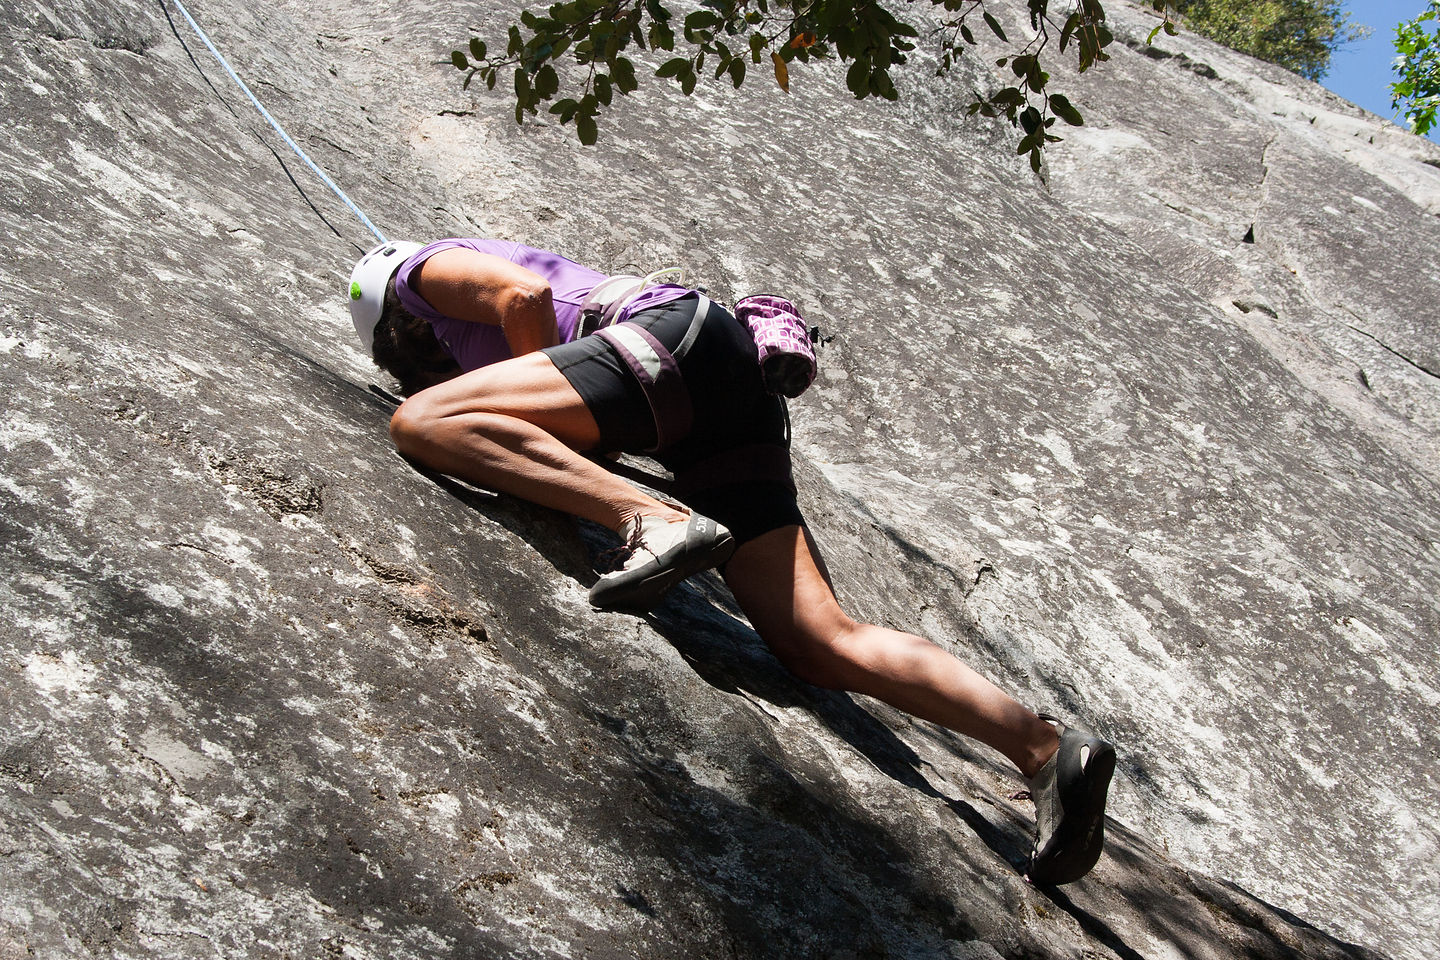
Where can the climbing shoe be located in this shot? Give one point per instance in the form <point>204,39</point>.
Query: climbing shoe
<point>658,555</point>
<point>1069,794</point>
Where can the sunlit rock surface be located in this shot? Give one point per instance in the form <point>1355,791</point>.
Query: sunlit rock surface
<point>1155,446</point>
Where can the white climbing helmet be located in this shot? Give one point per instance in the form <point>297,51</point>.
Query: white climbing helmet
<point>367,284</point>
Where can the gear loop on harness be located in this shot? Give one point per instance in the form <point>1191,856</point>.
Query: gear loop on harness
<point>609,298</point>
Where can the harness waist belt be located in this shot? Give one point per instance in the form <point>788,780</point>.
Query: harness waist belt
<point>613,294</point>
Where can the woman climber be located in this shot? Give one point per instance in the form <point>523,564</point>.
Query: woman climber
<point>508,387</point>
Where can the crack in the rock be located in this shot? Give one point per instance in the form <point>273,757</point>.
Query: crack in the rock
<point>158,770</point>
<point>1264,184</point>
<point>138,47</point>
<point>1184,61</point>
<point>1386,347</point>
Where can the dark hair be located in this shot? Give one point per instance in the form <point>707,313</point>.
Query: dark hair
<point>407,349</point>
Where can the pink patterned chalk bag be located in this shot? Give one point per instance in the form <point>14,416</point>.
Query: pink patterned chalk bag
<point>787,357</point>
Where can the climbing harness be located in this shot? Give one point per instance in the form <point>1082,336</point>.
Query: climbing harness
<point>658,372</point>
<point>787,357</point>
<point>278,129</point>
<point>782,340</point>
<point>610,296</point>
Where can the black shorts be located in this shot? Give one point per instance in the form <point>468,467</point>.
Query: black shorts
<point>733,465</point>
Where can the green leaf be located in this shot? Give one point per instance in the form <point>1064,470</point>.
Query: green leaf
<point>566,13</point>
<point>1072,23</point>
<point>857,78</point>
<point>737,71</point>
<point>547,82</point>
<point>564,109</point>
<point>588,131</point>
<point>457,59</point>
<point>661,36</point>
<point>1035,159</point>
<point>672,67</point>
<point>1065,110</point>
<point>881,83</point>
<point>687,81</point>
<point>477,48</point>
<point>967,35</point>
<point>994,26</point>
<point>603,91</point>
<point>701,20</point>
<point>1149,39</point>
<point>623,72</point>
<point>831,15</point>
<point>1009,96</point>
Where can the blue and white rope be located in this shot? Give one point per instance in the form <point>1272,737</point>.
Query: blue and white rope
<point>278,129</point>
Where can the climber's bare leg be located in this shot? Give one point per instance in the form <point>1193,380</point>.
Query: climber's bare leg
<point>779,582</point>
<point>516,427</point>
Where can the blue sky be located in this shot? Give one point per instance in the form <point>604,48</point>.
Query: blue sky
<point>1360,72</point>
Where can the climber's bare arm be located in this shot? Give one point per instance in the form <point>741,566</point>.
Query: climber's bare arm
<point>487,289</point>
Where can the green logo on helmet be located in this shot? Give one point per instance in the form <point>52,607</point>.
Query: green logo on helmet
<point>354,289</point>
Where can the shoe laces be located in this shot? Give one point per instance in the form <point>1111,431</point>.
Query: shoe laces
<point>617,557</point>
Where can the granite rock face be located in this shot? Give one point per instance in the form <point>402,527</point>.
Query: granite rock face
<point>1154,445</point>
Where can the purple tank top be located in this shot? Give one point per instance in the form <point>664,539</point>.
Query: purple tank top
<point>474,345</point>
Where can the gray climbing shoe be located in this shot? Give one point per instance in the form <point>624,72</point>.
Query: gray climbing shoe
<point>1069,794</point>
<point>657,556</point>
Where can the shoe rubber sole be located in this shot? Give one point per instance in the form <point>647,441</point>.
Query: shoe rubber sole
<point>644,590</point>
<point>1075,846</point>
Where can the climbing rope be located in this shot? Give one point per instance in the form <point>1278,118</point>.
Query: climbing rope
<point>278,129</point>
